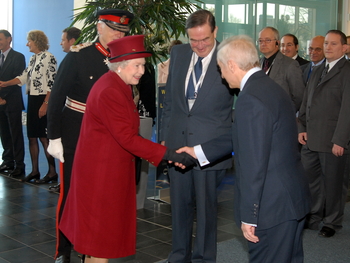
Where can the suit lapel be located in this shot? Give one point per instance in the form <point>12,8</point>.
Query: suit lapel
<point>6,62</point>
<point>182,74</point>
<point>334,71</point>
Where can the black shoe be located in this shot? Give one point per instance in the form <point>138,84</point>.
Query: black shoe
<point>55,188</point>
<point>6,167</point>
<point>16,173</point>
<point>63,259</point>
<point>31,177</point>
<point>326,232</point>
<point>47,179</point>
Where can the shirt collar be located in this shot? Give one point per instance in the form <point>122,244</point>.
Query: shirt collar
<point>247,75</point>
<point>331,64</point>
<point>318,63</point>
<point>6,53</point>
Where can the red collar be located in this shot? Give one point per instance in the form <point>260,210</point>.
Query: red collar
<point>104,51</point>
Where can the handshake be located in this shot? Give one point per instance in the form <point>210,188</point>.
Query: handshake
<point>180,157</point>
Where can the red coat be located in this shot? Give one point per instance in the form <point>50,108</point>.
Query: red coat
<point>99,217</point>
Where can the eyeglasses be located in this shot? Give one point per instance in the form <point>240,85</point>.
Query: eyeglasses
<point>267,41</point>
<point>203,41</point>
<point>311,49</point>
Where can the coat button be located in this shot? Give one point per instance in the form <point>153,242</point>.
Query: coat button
<point>91,77</point>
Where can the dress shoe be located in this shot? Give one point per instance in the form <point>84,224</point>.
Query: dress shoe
<point>47,179</point>
<point>16,173</point>
<point>5,167</point>
<point>55,188</point>
<point>326,232</point>
<point>63,259</point>
<point>30,177</point>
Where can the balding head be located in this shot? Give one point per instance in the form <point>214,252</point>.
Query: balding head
<point>316,53</point>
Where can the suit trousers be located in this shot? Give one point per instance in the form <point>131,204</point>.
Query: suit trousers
<point>282,243</point>
<point>194,192</point>
<point>325,173</point>
<point>11,133</point>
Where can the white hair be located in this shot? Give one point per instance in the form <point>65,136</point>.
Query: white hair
<point>113,66</point>
<point>241,50</point>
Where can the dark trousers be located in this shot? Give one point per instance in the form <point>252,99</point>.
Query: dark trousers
<point>191,192</point>
<point>70,135</point>
<point>11,133</point>
<point>282,243</point>
<point>325,173</point>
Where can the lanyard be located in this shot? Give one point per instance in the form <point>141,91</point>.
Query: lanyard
<point>196,84</point>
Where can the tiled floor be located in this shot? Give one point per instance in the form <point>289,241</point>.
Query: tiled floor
<point>27,222</point>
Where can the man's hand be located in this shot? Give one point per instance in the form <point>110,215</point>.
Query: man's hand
<point>189,150</point>
<point>3,84</point>
<point>302,138</point>
<point>249,233</point>
<point>337,150</point>
<point>55,148</point>
<point>182,159</point>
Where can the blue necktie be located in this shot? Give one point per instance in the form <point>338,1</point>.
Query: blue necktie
<point>197,72</point>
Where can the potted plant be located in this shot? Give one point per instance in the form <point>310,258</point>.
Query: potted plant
<point>159,20</point>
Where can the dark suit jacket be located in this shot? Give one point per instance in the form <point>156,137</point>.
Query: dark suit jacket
<point>286,72</point>
<point>306,71</point>
<point>325,111</point>
<point>270,185</point>
<point>12,67</point>
<point>211,114</point>
<point>301,61</point>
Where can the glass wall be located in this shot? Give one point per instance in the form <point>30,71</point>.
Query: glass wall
<point>305,19</point>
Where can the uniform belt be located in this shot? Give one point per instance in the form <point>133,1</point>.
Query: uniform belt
<point>75,105</point>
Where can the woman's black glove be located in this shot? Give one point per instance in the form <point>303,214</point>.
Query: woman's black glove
<point>183,158</point>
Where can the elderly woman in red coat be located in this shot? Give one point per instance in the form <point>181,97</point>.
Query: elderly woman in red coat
<point>99,217</point>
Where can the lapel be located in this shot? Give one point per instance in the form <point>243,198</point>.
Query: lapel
<point>334,71</point>
<point>181,75</point>
<point>274,71</point>
<point>208,82</point>
<point>7,62</point>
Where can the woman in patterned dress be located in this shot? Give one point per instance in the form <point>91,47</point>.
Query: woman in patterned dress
<point>38,77</point>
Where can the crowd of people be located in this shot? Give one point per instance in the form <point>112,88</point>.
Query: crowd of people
<point>290,133</point>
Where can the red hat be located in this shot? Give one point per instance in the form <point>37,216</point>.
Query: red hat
<point>129,47</point>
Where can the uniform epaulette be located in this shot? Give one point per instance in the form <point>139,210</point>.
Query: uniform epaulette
<point>77,48</point>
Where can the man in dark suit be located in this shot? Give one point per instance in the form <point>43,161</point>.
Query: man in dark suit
<point>290,48</point>
<point>316,57</point>
<point>12,65</point>
<point>195,111</point>
<point>271,194</point>
<point>324,132</point>
<point>282,69</point>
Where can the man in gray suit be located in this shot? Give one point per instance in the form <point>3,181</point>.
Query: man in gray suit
<point>282,69</point>
<point>316,57</point>
<point>324,132</point>
<point>195,111</point>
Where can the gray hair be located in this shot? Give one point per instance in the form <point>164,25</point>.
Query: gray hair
<point>241,50</point>
<point>115,65</point>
